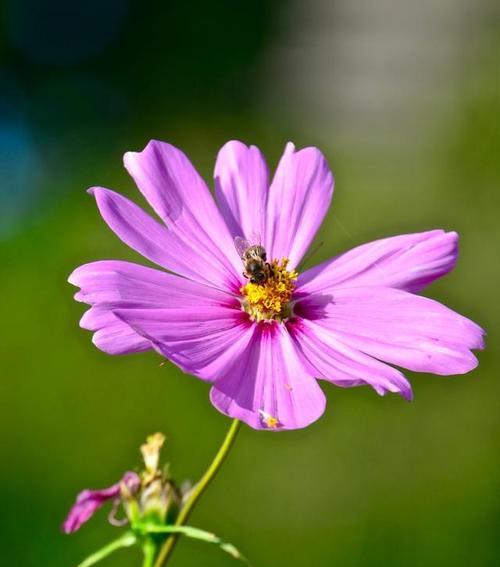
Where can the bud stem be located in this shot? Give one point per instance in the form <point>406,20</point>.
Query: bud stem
<point>149,550</point>
<point>198,490</point>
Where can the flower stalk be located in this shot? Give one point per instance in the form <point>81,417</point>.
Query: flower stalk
<point>196,492</point>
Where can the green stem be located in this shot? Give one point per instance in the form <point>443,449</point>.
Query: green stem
<point>149,551</point>
<point>198,490</point>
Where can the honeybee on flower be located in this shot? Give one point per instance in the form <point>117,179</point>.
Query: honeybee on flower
<point>254,256</point>
<point>262,338</point>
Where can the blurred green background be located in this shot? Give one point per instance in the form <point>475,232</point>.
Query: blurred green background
<point>404,99</point>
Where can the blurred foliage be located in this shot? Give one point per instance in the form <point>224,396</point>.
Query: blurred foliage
<point>376,481</point>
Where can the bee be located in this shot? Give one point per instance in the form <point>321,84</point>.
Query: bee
<point>254,256</point>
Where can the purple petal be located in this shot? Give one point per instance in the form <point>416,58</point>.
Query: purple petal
<point>89,501</point>
<point>241,184</point>
<point>299,198</point>
<point>409,262</point>
<point>344,366</point>
<point>160,245</point>
<point>202,340</point>
<point>269,379</point>
<point>110,285</point>
<point>398,327</point>
<point>124,284</point>
<point>180,197</point>
<point>111,335</point>
<point>256,367</point>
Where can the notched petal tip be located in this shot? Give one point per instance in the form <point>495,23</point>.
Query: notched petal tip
<point>481,342</point>
<point>130,157</point>
<point>406,392</point>
<point>73,279</point>
<point>450,241</point>
<point>402,387</point>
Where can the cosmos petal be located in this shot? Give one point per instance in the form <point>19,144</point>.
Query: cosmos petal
<point>89,501</point>
<point>118,283</point>
<point>199,340</point>
<point>299,198</point>
<point>398,327</point>
<point>241,184</point>
<point>110,284</point>
<point>409,262</point>
<point>180,197</point>
<point>269,386</point>
<point>111,335</point>
<point>342,365</point>
<point>158,244</point>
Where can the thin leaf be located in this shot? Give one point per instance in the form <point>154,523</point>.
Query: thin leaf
<point>193,533</point>
<point>126,540</point>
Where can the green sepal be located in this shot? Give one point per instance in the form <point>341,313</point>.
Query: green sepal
<point>126,540</point>
<point>193,533</point>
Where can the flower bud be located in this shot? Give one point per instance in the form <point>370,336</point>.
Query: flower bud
<point>151,454</point>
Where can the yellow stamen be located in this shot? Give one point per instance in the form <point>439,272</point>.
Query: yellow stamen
<point>271,299</point>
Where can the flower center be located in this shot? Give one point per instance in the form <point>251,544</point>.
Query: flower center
<point>270,299</point>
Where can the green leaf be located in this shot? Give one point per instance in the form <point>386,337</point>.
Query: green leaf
<point>194,533</point>
<point>126,540</point>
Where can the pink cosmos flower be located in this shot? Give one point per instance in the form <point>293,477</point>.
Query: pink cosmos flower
<point>262,345</point>
<point>89,501</point>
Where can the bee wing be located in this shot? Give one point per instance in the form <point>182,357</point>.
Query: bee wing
<point>255,239</point>
<point>241,244</point>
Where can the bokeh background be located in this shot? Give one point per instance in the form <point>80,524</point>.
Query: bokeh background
<point>404,99</point>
